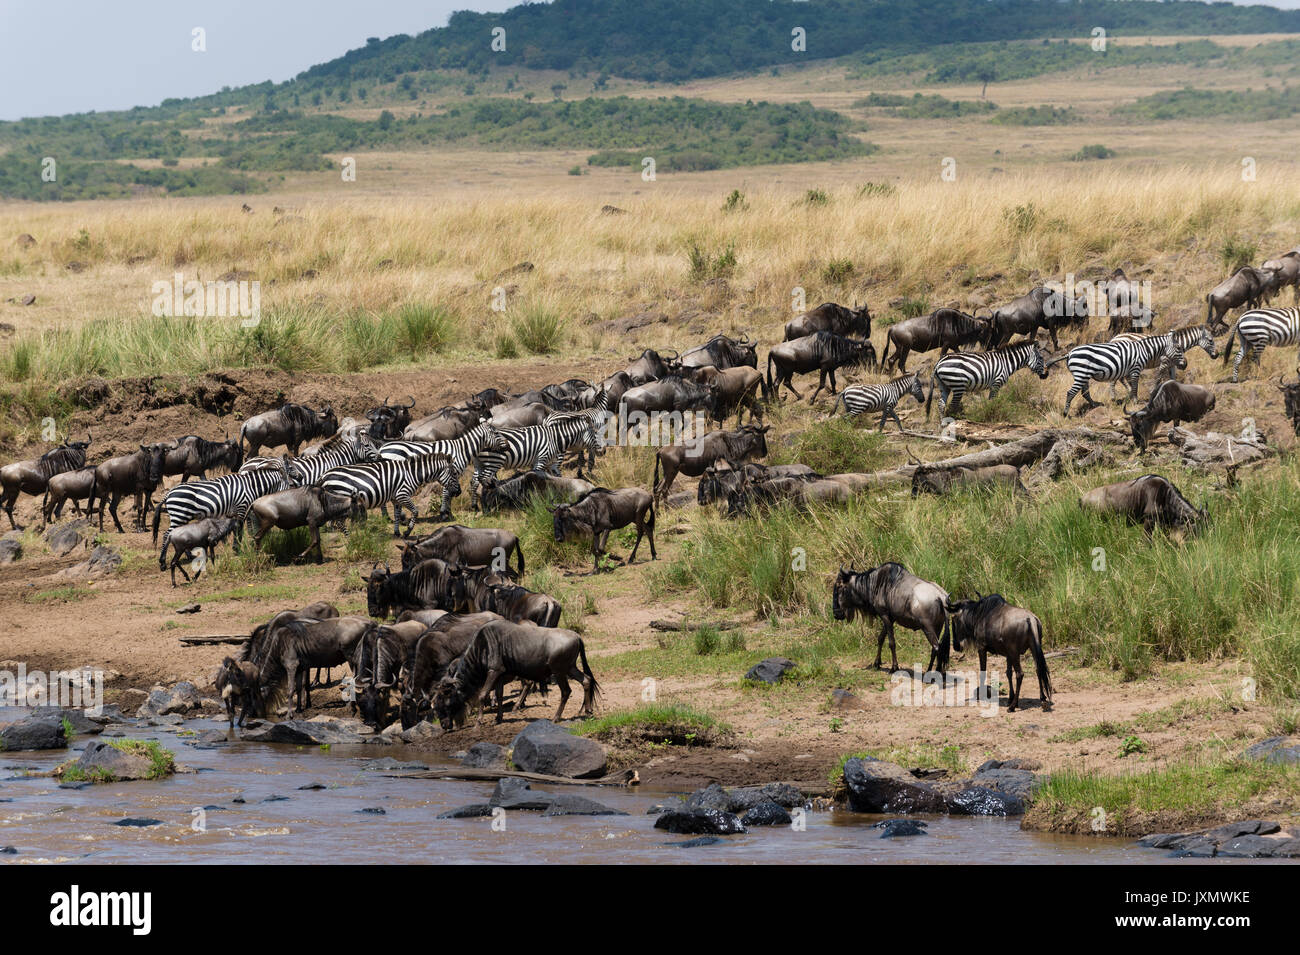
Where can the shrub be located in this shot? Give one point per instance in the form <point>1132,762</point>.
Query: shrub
<point>539,329</point>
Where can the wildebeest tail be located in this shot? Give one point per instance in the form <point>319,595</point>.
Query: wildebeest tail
<point>885,354</point>
<point>157,514</point>
<point>586,669</point>
<point>769,373</point>
<point>1040,665</point>
<point>930,396</point>
<point>519,550</point>
<point>945,642</point>
<point>1227,346</point>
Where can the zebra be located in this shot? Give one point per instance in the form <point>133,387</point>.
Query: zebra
<point>960,372</point>
<point>1193,336</point>
<point>460,450</point>
<point>859,399</point>
<point>228,496</point>
<point>569,429</point>
<point>533,447</point>
<point>339,450</point>
<point>1260,328</point>
<point>375,483</point>
<point>1120,359</point>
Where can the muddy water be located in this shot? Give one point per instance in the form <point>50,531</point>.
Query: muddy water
<point>280,821</point>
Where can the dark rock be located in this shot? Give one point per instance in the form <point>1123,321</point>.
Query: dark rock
<point>65,538</point>
<point>468,812</point>
<point>485,756</point>
<point>877,786</point>
<point>695,821</point>
<point>82,725</point>
<point>978,801</point>
<point>312,733</point>
<point>571,805</point>
<point>843,700</point>
<point>766,814</point>
<point>543,747</point>
<point>101,562</point>
<point>387,765</point>
<point>712,796</point>
<point>82,785</point>
<point>311,786</point>
<point>1251,839</point>
<point>895,828</point>
<point>771,670</point>
<point>10,550</point>
<point>1032,765</point>
<point>693,843</point>
<point>213,737</point>
<point>190,608</point>
<point>783,794</point>
<point>138,822</point>
<point>32,733</point>
<point>1275,749</point>
<point>1247,847</point>
<point>8,851</point>
<point>514,793</point>
<point>1016,782</point>
<point>372,811</point>
<point>163,701</point>
<point>276,798</point>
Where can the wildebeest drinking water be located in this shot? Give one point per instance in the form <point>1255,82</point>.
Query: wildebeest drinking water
<point>33,477</point>
<point>239,682</point>
<point>994,626</point>
<point>894,595</point>
<point>603,511</point>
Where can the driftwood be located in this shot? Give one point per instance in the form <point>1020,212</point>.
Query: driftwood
<point>626,777</point>
<point>1020,452</point>
<point>1215,450</point>
<point>679,625</point>
<point>218,638</point>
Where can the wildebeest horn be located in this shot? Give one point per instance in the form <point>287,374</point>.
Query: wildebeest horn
<point>412,404</point>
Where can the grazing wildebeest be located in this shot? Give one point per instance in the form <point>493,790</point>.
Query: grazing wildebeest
<point>947,329</point>
<point>720,479</point>
<point>205,534</point>
<point>796,491</point>
<point>733,389</point>
<point>74,486</point>
<point>995,626</point>
<point>651,367</point>
<point>137,474</point>
<point>240,681</point>
<point>1149,500</point>
<point>736,446</point>
<point>389,421</point>
<point>603,511</point>
<point>829,317</point>
<point>429,584</point>
<point>518,604</point>
<point>893,594</point>
<point>466,546</point>
<point>931,479</point>
<point>1172,402</point>
<point>1291,399</point>
<point>822,352</point>
<point>441,644</point>
<point>721,352</point>
<point>1287,268</point>
<point>1042,307</point>
<point>308,507</point>
<point>1247,286</point>
<point>33,477</point>
<point>293,647</point>
<point>290,425</point>
<point>522,489</point>
<point>673,393</point>
<point>444,425</point>
<point>193,456</point>
<point>503,651</point>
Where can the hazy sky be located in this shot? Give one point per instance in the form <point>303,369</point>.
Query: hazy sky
<point>80,55</point>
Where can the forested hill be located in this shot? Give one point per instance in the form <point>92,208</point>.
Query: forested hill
<point>666,40</point>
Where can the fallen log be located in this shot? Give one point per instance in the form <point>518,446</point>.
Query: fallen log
<point>1020,452</point>
<point>1218,450</point>
<point>209,640</point>
<point>626,777</point>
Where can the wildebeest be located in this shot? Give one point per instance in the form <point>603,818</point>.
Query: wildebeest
<point>205,534</point>
<point>254,647</point>
<point>672,393</point>
<point>894,595</point>
<point>503,651</point>
<point>522,489</point>
<point>378,662</point>
<point>932,479</point>
<point>1042,307</point>
<point>431,583</point>
<point>290,425</point>
<point>722,352</point>
<point>1291,400</point>
<point>33,477</point>
<point>947,329</point>
<point>616,385</point>
<point>74,486</point>
<point>519,604</point>
<point>192,456</point>
<point>308,507</point>
<point>602,511</point>
<point>1287,270</point>
<point>240,681</point>
<point>444,425</point>
<point>796,491</point>
<point>994,626</point>
<point>736,446</point>
<point>137,474</point>
<point>466,546</point>
<point>1172,402</point>
<point>719,480</point>
<point>293,647</point>
<point>1149,500</point>
<point>443,642</point>
<point>651,367</point>
<point>521,416</point>
<point>389,421</point>
<point>829,317</point>
<point>733,389</point>
<point>1247,286</point>
<point>822,352</point>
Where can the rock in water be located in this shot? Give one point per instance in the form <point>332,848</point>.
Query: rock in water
<point>571,805</point>
<point>542,747</point>
<point>468,812</point>
<point>766,814</point>
<point>485,756</point>
<point>1275,749</point>
<point>700,821</point>
<point>895,828</point>
<point>515,793</point>
<point>978,801</point>
<point>34,732</point>
<point>880,787</point>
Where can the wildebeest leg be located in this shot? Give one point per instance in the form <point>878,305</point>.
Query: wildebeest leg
<point>893,648</point>
<point>595,552</point>
<point>789,384</point>
<point>821,383</point>
<point>10,497</point>
<point>112,510</point>
<point>563,682</point>
<point>880,644</point>
<point>488,686</point>
<point>639,531</point>
<point>1013,691</point>
<point>983,673</point>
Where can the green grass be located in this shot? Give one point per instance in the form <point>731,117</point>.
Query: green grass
<point>59,595</point>
<point>162,762</point>
<point>539,329</point>
<point>1037,116</point>
<point>370,539</point>
<point>674,723</point>
<point>835,446</point>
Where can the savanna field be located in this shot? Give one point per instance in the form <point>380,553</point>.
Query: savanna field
<point>441,271</point>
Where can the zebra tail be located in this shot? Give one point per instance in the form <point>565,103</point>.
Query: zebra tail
<point>839,399</point>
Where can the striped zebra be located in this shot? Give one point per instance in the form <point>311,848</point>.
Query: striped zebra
<point>339,450</point>
<point>1193,336</point>
<point>460,450</point>
<point>375,483</point>
<point>1121,359</point>
<point>1258,329</point>
<point>228,496</point>
<point>961,372</point>
<point>573,429</point>
<point>859,399</point>
<point>533,448</point>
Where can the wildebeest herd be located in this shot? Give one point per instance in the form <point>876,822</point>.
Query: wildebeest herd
<point>464,626</point>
